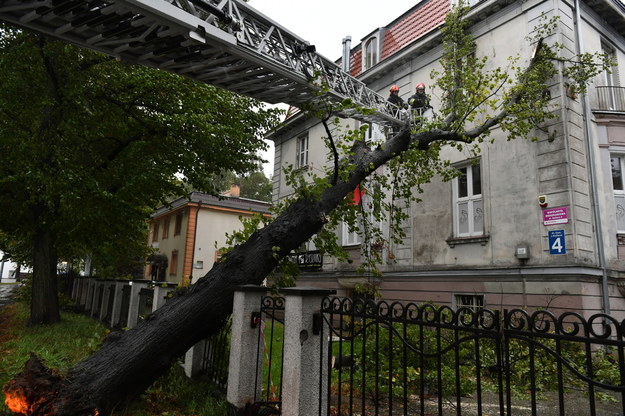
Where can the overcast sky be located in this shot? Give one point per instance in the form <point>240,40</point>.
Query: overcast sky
<point>324,23</point>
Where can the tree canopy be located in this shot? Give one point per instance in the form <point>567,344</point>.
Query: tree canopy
<point>89,146</point>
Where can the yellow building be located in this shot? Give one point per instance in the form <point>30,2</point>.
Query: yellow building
<point>187,233</point>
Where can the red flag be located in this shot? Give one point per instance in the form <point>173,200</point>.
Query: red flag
<point>357,195</point>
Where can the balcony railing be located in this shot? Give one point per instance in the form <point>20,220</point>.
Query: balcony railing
<point>610,98</point>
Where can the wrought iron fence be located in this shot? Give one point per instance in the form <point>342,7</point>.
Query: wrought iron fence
<point>408,359</point>
<point>270,324</point>
<point>610,98</point>
<point>215,357</point>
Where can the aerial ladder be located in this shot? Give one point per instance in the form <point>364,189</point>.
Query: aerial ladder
<point>225,43</point>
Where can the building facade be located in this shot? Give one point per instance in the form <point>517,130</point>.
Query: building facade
<point>188,233</point>
<point>530,224</point>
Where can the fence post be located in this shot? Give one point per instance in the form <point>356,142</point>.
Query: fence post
<point>161,290</point>
<point>301,391</point>
<point>244,371</point>
<point>133,311</point>
<point>88,294</point>
<point>117,301</point>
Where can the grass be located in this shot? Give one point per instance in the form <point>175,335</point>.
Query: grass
<point>76,337</point>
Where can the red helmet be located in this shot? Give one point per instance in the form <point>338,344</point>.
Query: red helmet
<point>420,86</point>
<point>394,88</point>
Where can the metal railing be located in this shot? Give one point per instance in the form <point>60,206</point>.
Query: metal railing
<point>610,98</point>
<point>270,324</point>
<point>215,357</point>
<point>408,359</point>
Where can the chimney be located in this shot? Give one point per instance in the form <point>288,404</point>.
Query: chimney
<point>234,190</point>
<point>347,48</point>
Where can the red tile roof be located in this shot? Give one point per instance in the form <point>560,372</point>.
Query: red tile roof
<point>424,17</point>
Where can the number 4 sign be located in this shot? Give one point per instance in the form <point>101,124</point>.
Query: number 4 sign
<point>557,242</point>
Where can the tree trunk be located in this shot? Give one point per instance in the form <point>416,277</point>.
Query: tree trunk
<point>44,304</point>
<point>128,362</point>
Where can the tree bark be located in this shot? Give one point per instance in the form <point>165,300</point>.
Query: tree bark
<point>44,304</point>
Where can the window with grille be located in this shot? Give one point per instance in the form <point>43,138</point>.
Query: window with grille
<point>473,302</point>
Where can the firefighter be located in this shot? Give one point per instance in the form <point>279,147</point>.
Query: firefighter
<point>419,102</point>
<point>394,97</point>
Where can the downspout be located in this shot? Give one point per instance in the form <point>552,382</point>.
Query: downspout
<point>590,155</point>
<point>197,215</point>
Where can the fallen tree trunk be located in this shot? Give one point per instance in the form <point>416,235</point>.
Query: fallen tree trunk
<point>128,362</point>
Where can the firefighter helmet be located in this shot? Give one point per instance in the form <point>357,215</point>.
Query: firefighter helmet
<point>421,86</point>
<point>394,88</point>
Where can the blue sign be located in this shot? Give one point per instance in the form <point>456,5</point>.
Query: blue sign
<point>557,242</point>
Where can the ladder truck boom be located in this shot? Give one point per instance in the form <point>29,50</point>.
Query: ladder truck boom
<point>225,43</point>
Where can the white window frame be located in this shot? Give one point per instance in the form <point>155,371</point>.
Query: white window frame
<point>619,194</point>
<point>473,202</point>
<point>477,301</point>
<point>370,52</point>
<point>610,75</point>
<point>349,238</point>
<point>301,152</point>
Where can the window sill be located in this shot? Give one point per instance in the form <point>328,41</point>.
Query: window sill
<point>455,241</point>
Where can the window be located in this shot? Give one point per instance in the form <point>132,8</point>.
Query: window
<point>468,205</point>
<point>173,263</point>
<point>609,79</point>
<point>473,302</point>
<point>178,225</point>
<point>349,238</point>
<point>618,165</point>
<point>155,232</point>
<point>166,227</point>
<point>302,151</point>
<point>370,53</point>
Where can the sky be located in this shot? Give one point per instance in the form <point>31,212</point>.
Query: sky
<point>325,23</point>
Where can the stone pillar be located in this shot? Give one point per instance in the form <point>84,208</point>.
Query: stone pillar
<point>160,294</point>
<point>303,365</point>
<point>245,371</point>
<point>90,289</point>
<point>106,297</point>
<point>75,286</point>
<point>193,359</point>
<point>133,311</point>
<point>117,302</point>
<point>98,287</point>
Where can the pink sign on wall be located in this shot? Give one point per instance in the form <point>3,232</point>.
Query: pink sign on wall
<point>553,216</point>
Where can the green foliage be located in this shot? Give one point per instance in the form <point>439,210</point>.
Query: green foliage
<point>78,336</point>
<point>90,146</point>
<point>60,347</point>
<point>253,185</point>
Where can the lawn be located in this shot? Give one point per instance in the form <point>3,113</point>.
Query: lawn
<point>76,337</point>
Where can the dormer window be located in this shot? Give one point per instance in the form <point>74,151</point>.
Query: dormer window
<point>370,56</point>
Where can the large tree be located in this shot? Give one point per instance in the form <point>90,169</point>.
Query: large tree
<point>89,146</point>
<point>127,363</point>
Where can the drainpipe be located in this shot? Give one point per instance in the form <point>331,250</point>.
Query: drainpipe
<point>592,172</point>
